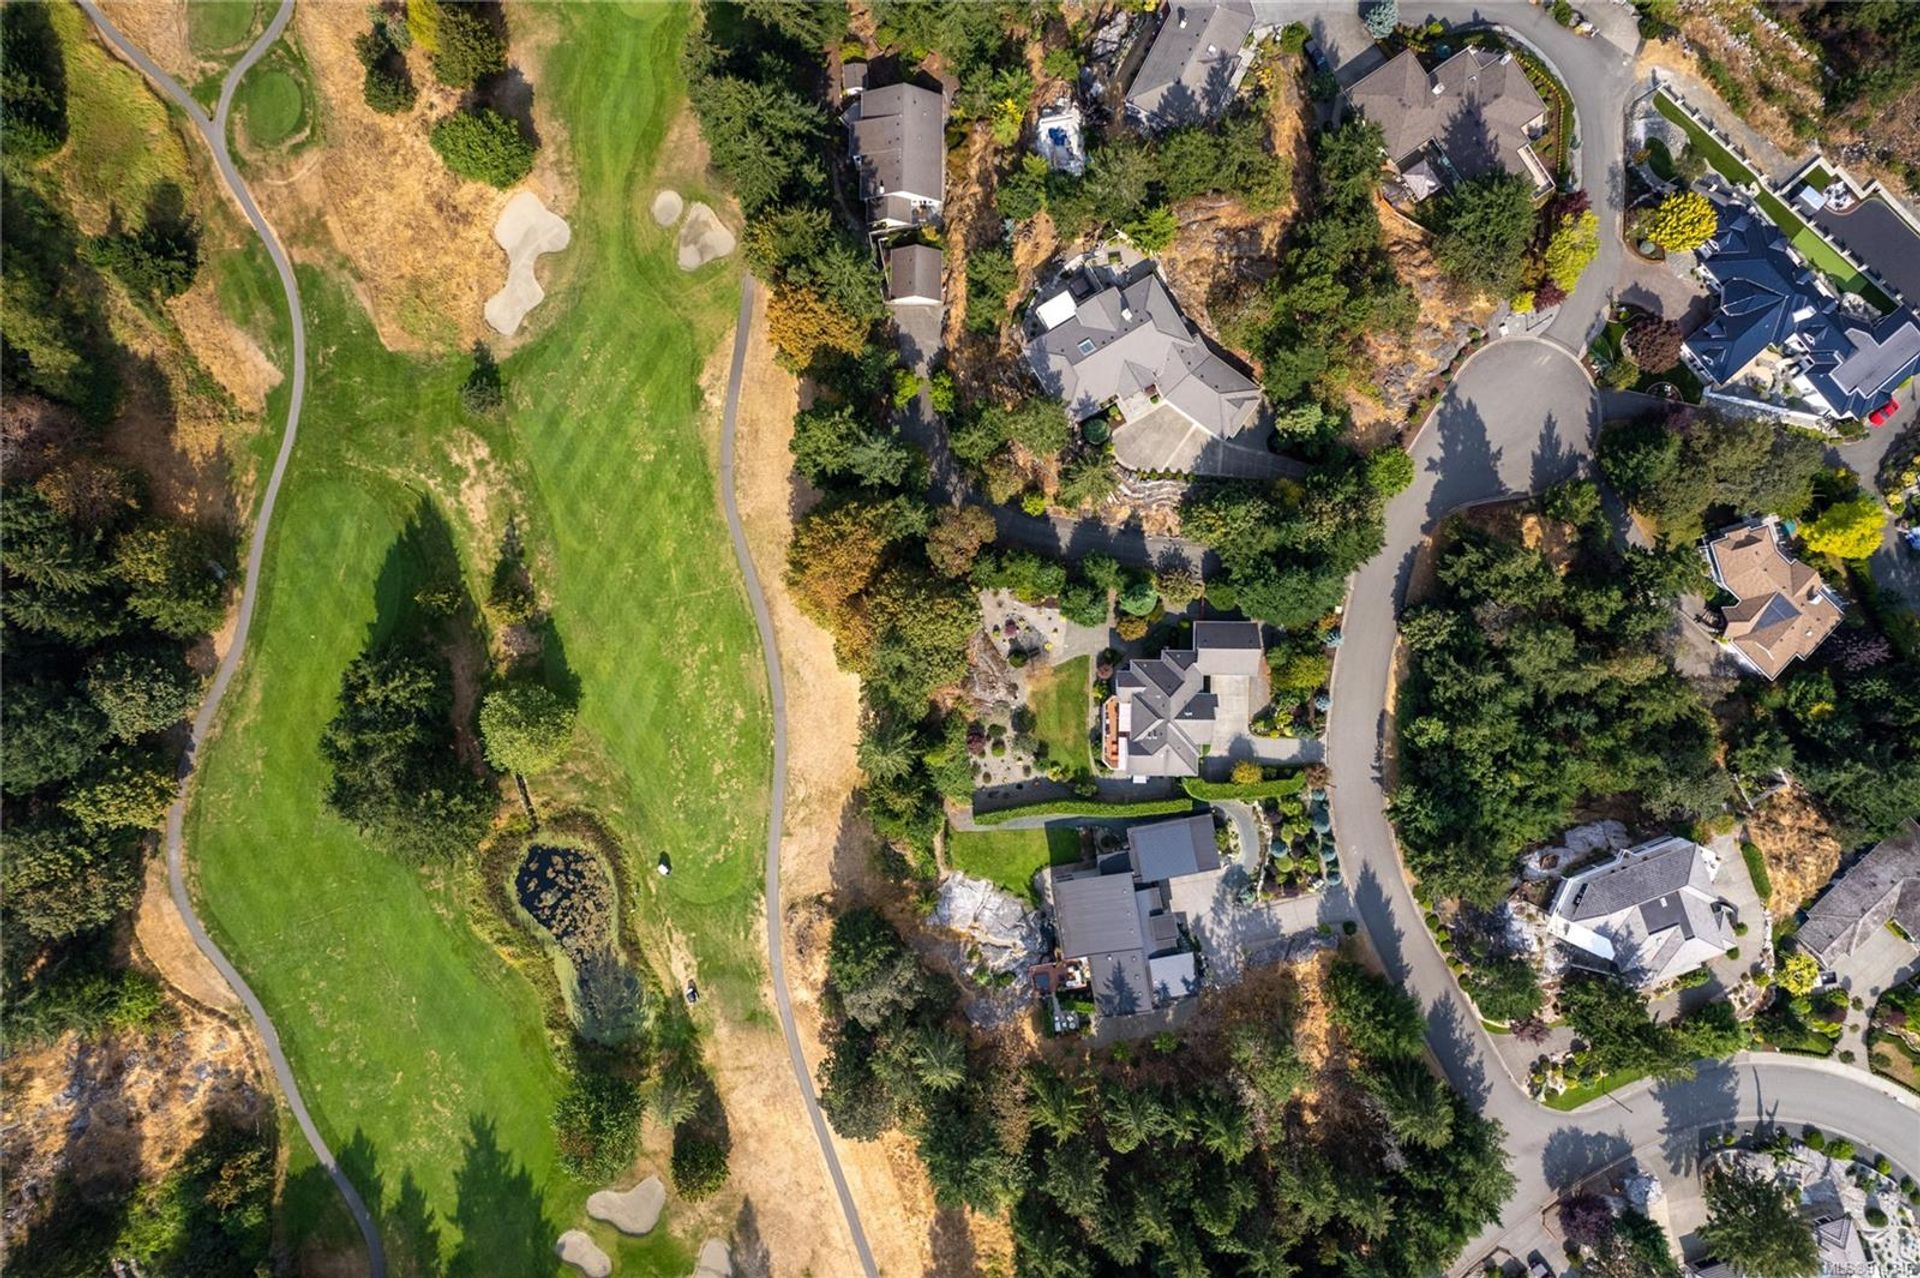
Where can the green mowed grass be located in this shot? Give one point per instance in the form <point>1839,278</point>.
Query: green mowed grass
<point>1010,857</point>
<point>220,26</point>
<point>421,1052</point>
<point>273,104</point>
<point>1059,703</point>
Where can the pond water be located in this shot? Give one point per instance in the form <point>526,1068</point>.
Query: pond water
<point>567,892</point>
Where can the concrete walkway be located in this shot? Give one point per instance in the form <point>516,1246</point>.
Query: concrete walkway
<point>213,131</point>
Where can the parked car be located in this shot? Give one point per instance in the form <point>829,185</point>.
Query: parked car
<point>1317,56</point>
<point>1537,1267</point>
<point>693,994</point>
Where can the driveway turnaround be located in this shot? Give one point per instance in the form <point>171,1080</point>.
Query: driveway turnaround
<point>214,131</point>
<point>777,800</point>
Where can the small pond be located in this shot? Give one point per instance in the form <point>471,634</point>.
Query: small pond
<point>567,892</point>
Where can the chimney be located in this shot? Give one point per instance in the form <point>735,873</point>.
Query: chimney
<point>1438,88</point>
<point>1183,18</point>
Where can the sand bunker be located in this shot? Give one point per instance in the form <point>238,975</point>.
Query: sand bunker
<point>703,239</point>
<point>526,229</point>
<point>667,207</point>
<point>635,1211</point>
<point>584,1254</point>
<point>714,1260</point>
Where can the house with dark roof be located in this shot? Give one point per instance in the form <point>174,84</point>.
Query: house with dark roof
<point>1783,610</point>
<point>1782,336</point>
<point>1169,712</point>
<point>1106,340</point>
<point>1881,887</point>
<point>1194,65</point>
<point>899,144</point>
<point>1648,915</point>
<point>913,275</point>
<point>1114,925</point>
<point>1474,114</point>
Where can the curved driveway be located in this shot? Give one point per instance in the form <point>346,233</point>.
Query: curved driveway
<point>213,130</point>
<point>777,798</point>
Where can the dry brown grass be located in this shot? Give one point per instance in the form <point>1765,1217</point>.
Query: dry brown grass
<point>826,853</point>
<point>1798,846</point>
<point>119,1111</point>
<point>160,28</point>
<point>419,240</point>
<point>163,940</point>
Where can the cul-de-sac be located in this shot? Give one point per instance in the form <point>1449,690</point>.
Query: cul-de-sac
<point>950,638</point>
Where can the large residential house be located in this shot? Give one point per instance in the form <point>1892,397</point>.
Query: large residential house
<point>1194,65</point>
<point>1106,340</point>
<point>1119,935</point>
<point>1474,114</point>
<point>913,275</point>
<point>898,138</point>
<point>1784,610</point>
<point>1648,915</point>
<point>1169,712</point>
<point>1781,336</point>
<point>1881,887</point>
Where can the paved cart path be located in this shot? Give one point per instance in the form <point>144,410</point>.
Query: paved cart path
<point>213,129</point>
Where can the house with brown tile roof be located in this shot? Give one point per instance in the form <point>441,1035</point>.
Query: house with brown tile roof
<point>1475,114</point>
<point>1783,610</point>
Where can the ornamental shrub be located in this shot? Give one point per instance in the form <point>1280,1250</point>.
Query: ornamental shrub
<point>483,146</point>
<point>1683,222</point>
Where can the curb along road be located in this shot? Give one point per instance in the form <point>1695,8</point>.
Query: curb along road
<point>776,807</point>
<point>214,131</point>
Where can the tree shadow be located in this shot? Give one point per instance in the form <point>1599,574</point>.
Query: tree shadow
<point>1552,462</point>
<point>1468,465</point>
<point>556,672</point>
<point>1451,1036</point>
<point>502,1221</point>
<point>419,583</point>
<point>951,1243</point>
<point>409,1232</point>
<point>511,94</point>
<point>1695,1110</point>
<point>1573,1153</point>
<point>751,1256</point>
<point>1370,899</point>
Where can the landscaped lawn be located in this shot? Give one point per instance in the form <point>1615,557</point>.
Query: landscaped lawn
<point>1010,857</point>
<point>219,26</point>
<point>1805,240</point>
<point>421,1051</point>
<point>1059,699</point>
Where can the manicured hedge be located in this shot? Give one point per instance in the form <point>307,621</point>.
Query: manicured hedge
<point>1086,808</point>
<point>1757,871</point>
<point>1206,791</point>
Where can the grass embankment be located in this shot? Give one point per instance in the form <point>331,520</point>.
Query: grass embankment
<point>1093,809</point>
<point>421,1051</point>
<point>1575,1097</point>
<point>1011,857</point>
<point>1808,242</point>
<point>1058,699</point>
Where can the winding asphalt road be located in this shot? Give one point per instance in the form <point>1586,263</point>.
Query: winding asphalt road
<point>776,807</point>
<point>214,131</point>
<point>1521,415</point>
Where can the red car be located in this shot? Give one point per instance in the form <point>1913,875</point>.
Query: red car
<point>1879,415</point>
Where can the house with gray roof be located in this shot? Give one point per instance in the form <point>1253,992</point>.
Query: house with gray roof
<point>913,275</point>
<point>1114,923</point>
<point>1648,915</point>
<point>1193,67</point>
<point>1169,712</point>
<point>1881,887</point>
<point>1112,341</point>
<point>898,137</point>
<point>1474,114</point>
